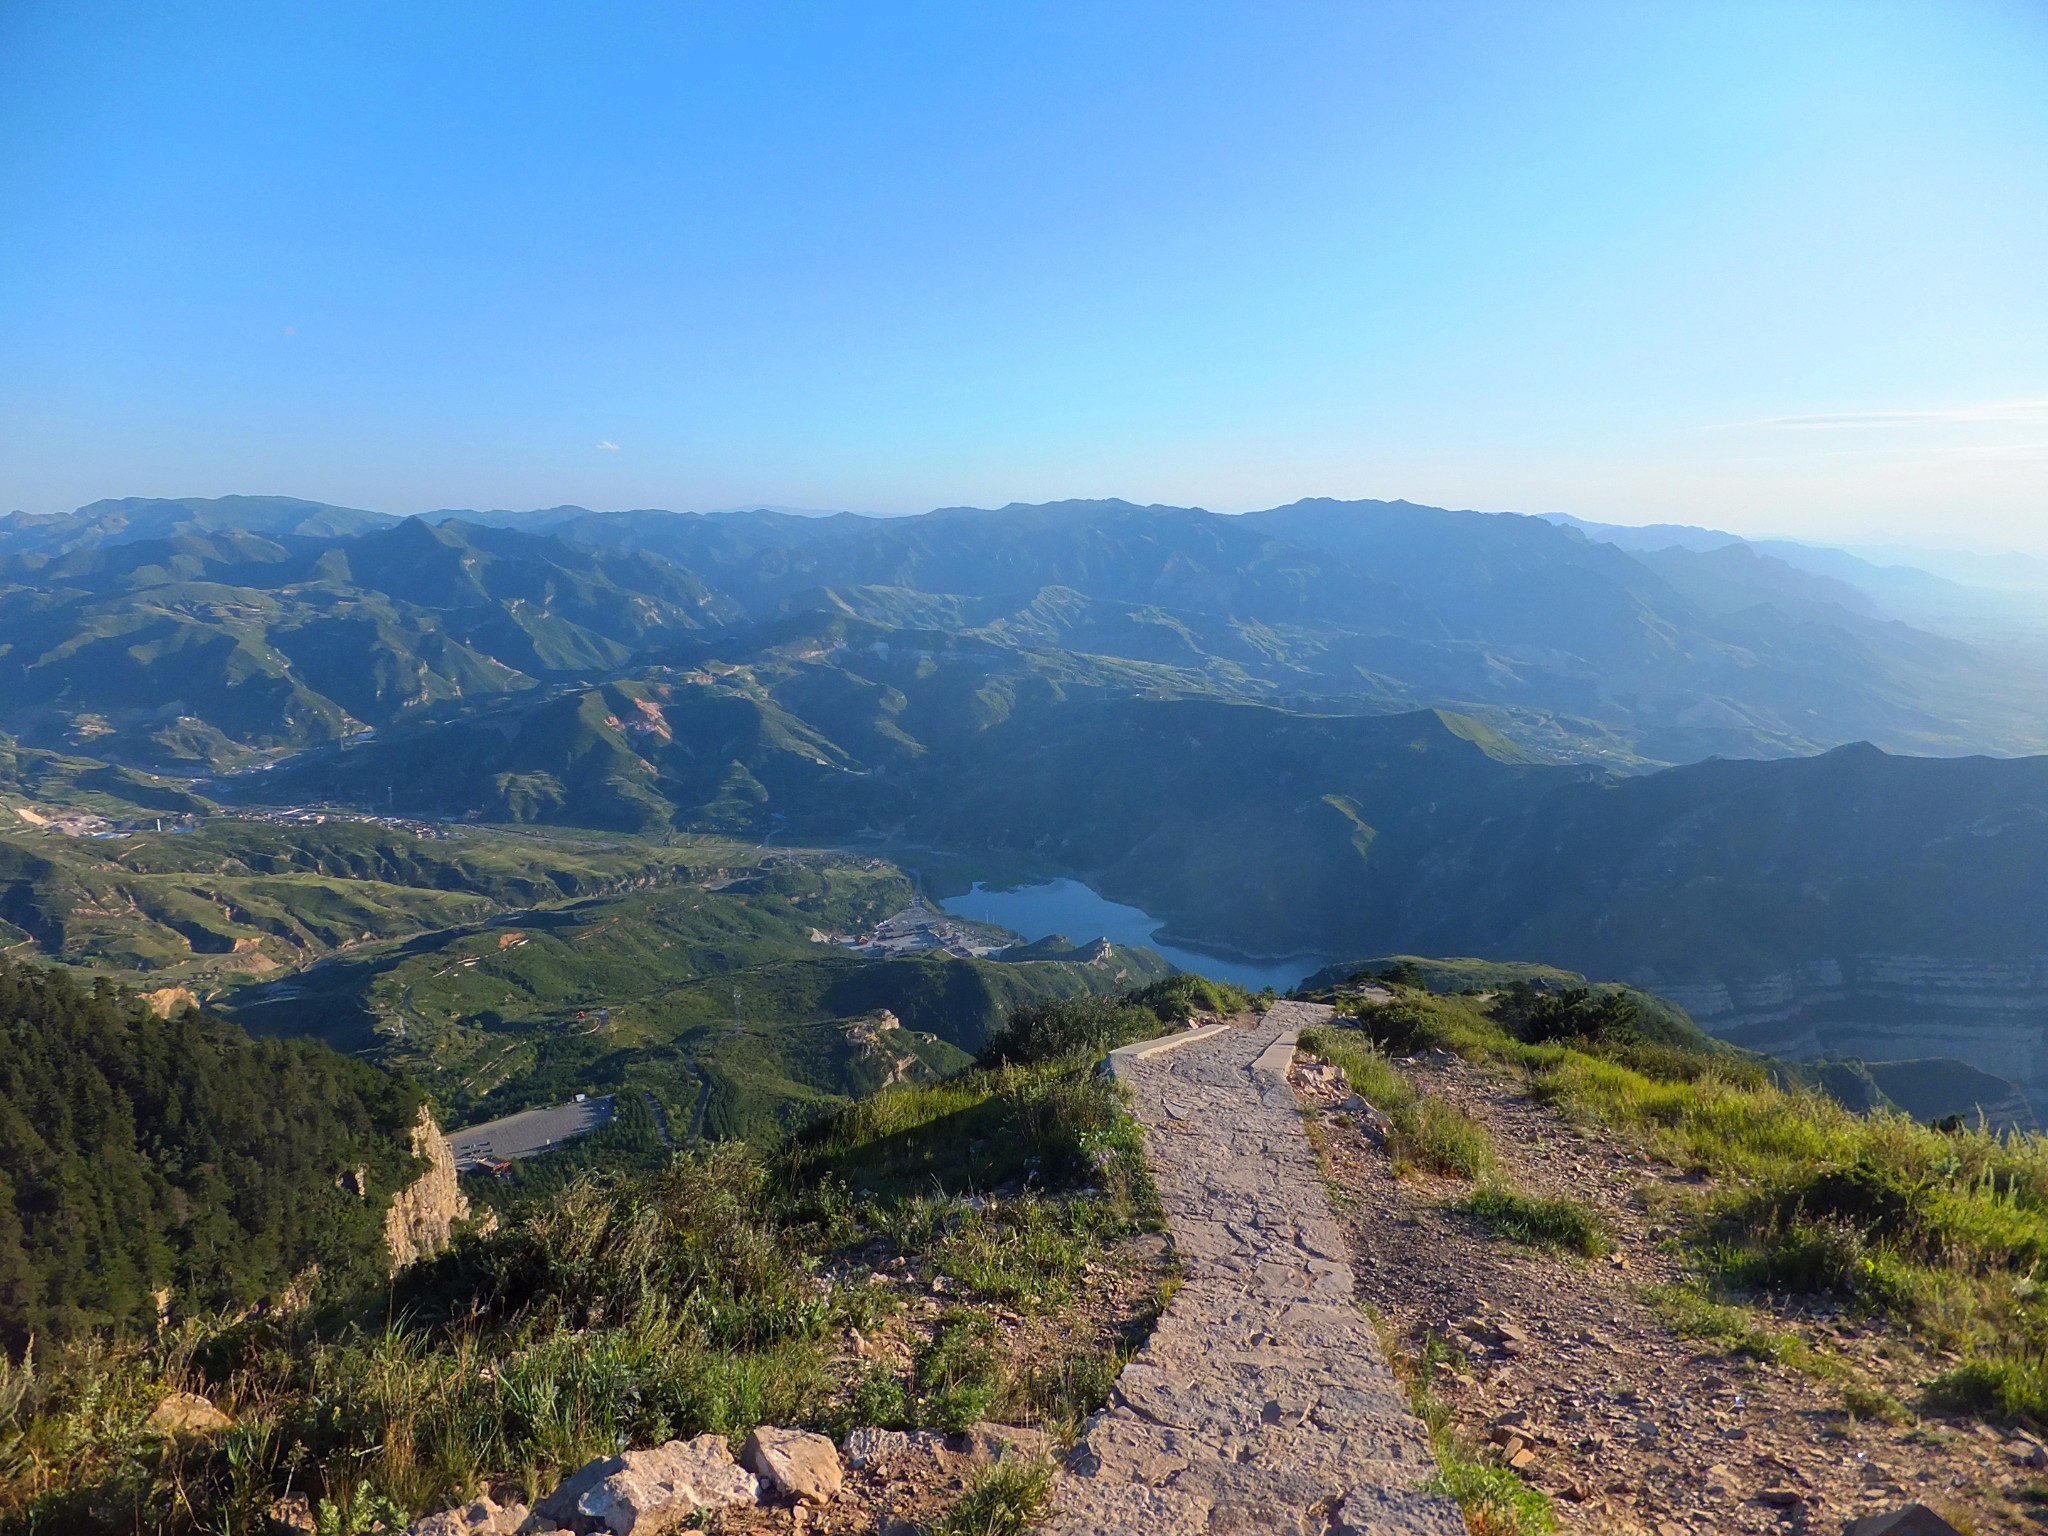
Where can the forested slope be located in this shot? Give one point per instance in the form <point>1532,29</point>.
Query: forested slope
<point>146,1159</point>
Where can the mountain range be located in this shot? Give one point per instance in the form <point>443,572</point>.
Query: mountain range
<point>1722,770</point>
<point>211,634</point>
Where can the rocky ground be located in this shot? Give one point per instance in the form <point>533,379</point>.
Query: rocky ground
<point>783,1481</point>
<point>1566,1367</point>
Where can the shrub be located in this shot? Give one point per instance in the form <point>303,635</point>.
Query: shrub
<point>1404,1027</point>
<point>1572,1013</point>
<point>879,1396</point>
<point>1094,1025</point>
<point>1067,1027</point>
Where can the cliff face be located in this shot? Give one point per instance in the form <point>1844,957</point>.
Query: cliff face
<point>421,1219</point>
<point>1992,1014</point>
<point>870,1034</point>
<point>1997,990</point>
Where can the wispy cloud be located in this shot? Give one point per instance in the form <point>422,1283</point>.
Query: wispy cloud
<point>609,446</point>
<point>2008,413</point>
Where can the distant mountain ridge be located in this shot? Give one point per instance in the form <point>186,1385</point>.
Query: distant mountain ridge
<point>1571,644</point>
<point>1971,596</point>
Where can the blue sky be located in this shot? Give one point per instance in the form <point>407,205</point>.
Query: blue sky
<point>1776,267</point>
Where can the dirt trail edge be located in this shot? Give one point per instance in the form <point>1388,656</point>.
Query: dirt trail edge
<point>1262,1401</point>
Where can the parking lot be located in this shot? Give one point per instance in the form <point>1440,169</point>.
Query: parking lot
<point>528,1133</point>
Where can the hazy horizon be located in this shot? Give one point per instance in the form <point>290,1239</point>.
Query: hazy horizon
<point>1877,550</point>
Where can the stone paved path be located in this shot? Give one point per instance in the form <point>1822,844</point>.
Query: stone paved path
<point>1262,1402</point>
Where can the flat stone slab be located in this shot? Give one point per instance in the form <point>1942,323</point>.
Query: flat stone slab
<point>1262,1402</point>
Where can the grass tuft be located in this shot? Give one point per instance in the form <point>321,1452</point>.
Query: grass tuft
<point>1003,1501</point>
<point>1692,1314</point>
<point>1875,1404</point>
<point>2009,1386</point>
<point>1563,1226</point>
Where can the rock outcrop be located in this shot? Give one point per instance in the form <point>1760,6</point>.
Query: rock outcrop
<point>642,1493</point>
<point>186,1414</point>
<point>420,1221</point>
<point>1991,1014</point>
<point>870,1036</point>
<point>793,1461</point>
<point>166,1001</point>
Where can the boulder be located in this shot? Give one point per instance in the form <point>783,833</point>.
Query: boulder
<point>994,1442</point>
<point>480,1517</point>
<point>1908,1520</point>
<point>641,1493</point>
<point>866,1447</point>
<point>794,1461</point>
<point>186,1413</point>
<point>1322,1077</point>
<point>1375,1125</point>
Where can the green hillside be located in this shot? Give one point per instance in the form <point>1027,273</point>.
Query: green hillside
<point>1330,728</point>
<point>227,898</point>
<point>721,1003</point>
<point>474,956</point>
<point>211,647</point>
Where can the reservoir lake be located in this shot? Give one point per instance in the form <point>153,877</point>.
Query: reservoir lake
<point>1073,909</point>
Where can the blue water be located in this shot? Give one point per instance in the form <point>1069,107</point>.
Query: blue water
<point>1071,908</point>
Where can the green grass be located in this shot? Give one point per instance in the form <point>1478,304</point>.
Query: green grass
<point>1428,1133</point>
<point>2013,1385</point>
<point>1861,1401</point>
<point>1002,1501</point>
<point>1692,1314</point>
<point>1942,1234</point>
<point>958,1376</point>
<point>1447,1140</point>
<point>1027,1254</point>
<point>1563,1226</point>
